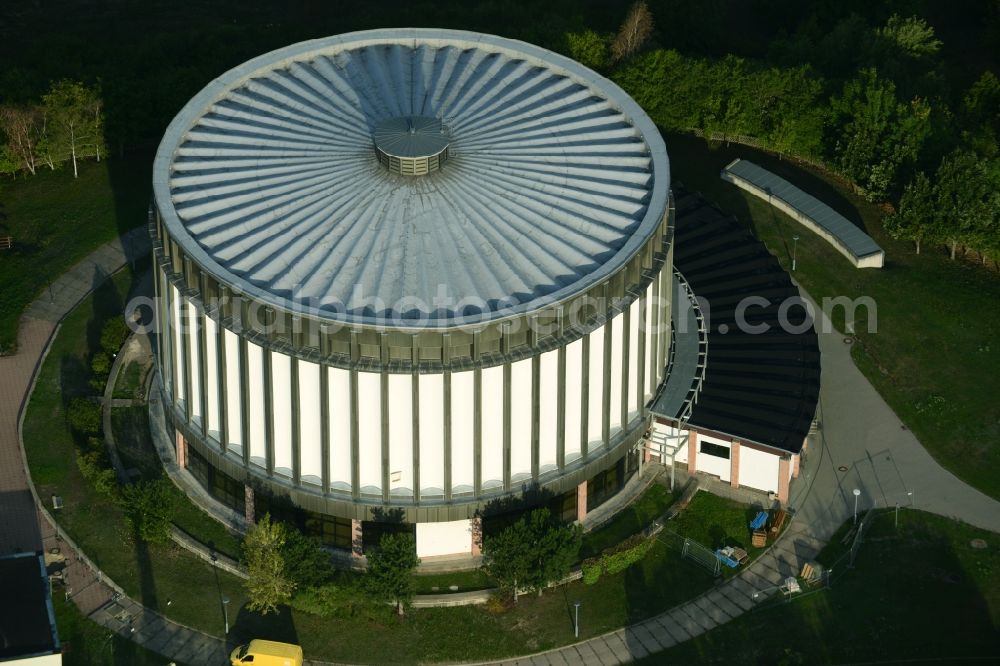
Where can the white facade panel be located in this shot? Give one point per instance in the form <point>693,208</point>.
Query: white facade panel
<point>255,404</point>
<point>520,420</point>
<point>180,331</point>
<point>759,469</point>
<point>648,324</point>
<point>193,336</point>
<point>370,432</point>
<point>212,378</point>
<point>617,352</point>
<point>234,406</point>
<point>574,400</point>
<point>431,434</point>
<point>548,412</point>
<point>450,538</point>
<point>491,413</point>
<point>281,410</point>
<point>338,383</point>
<point>463,406</point>
<point>634,368</point>
<point>720,467</point>
<point>595,400</point>
<point>401,435</point>
<point>310,424</point>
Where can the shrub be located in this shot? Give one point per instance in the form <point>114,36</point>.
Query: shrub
<point>340,599</point>
<point>113,335</point>
<point>84,416</point>
<point>307,564</point>
<point>616,559</point>
<point>100,365</point>
<point>149,508</point>
<point>592,570</point>
<point>93,468</point>
<point>625,554</point>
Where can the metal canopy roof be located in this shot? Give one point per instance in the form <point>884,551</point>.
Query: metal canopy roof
<point>758,387</point>
<point>854,239</point>
<point>268,178</point>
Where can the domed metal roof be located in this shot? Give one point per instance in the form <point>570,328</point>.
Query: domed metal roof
<point>270,178</point>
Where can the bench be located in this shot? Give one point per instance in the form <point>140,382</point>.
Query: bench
<point>779,521</point>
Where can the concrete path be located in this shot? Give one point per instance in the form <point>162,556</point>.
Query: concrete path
<point>859,433</point>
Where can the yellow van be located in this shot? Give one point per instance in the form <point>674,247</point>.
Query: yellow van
<point>267,653</point>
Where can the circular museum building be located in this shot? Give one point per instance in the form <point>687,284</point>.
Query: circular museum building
<point>411,276</point>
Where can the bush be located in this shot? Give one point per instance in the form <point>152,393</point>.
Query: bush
<point>625,554</point>
<point>84,416</point>
<point>307,564</point>
<point>340,599</point>
<point>100,365</point>
<point>113,335</point>
<point>149,509</point>
<point>592,570</point>
<point>616,559</point>
<point>92,465</point>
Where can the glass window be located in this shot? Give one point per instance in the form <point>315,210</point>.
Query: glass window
<point>716,450</point>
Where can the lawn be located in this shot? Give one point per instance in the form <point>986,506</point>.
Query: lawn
<point>919,593</point>
<point>132,380</point>
<point>156,574</point>
<point>935,357</point>
<point>636,517</point>
<point>56,220</point>
<point>86,643</point>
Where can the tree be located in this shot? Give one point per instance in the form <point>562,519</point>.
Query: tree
<point>268,585</point>
<point>912,36</point>
<point>876,134</point>
<point>634,32</point>
<point>967,199</point>
<point>588,48</point>
<point>73,123</point>
<point>533,552</point>
<point>307,564</point>
<point>21,127</point>
<point>390,569</point>
<point>916,218</point>
<point>981,115</point>
<point>149,509</point>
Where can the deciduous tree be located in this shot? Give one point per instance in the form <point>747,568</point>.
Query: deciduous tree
<point>21,126</point>
<point>533,552</point>
<point>73,123</point>
<point>634,32</point>
<point>268,585</point>
<point>390,569</point>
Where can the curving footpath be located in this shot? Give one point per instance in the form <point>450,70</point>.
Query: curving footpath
<point>859,432</point>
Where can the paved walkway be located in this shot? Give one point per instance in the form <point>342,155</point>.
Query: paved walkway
<point>859,432</point>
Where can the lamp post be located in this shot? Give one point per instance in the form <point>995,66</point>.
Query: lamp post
<point>856,493</point>
<point>576,622</point>
<point>795,247</point>
<point>225,612</point>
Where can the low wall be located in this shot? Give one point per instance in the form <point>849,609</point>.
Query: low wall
<point>875,260</point>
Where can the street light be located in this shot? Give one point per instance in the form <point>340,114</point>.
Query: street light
<point>576,622</point>
<point>856,493</point>
<point>225,612</point>
<point>795,246</point>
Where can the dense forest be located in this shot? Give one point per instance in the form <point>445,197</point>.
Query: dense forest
<point>901,99</point>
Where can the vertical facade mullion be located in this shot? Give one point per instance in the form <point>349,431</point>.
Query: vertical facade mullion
<point>244,408</point>
<point>624,351</point>
<point>268,411</point>
<point>585,398</point>
<point>415,414</point>
<point>654,322</point>
<point>536,369</point>
<point>183,362</point>
<point>606,396</point>
<point>384,400</point>
<point>355,453</point>
<point>296,410</point>
<point>561,409</point>
<point>324,424</point>
<point>447,435</point>
<point>477,436</point>
<point>640,364</point>
<point>221,384</point>
<point>506,426</point>
<point>203,368</point>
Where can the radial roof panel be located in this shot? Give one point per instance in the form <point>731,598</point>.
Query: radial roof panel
<point>269,178</point>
